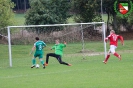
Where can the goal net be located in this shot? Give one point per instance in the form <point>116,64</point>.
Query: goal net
<point>84,40</point>
<point>4,55</point>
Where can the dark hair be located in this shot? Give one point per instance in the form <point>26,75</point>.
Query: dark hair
<point>37,38</point>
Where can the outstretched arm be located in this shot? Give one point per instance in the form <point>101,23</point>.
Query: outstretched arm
<point>122,40</point>
<point>53,47</point>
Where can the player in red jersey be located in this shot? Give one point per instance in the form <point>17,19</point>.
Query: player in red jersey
<point>113,45</point>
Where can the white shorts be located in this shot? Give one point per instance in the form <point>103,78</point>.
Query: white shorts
<point>112,49</point>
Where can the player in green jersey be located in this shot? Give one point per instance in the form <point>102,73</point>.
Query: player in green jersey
<point>38,45</point>
<point>58,47</point>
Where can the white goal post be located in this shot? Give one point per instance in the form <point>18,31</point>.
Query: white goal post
<point>53,25</point>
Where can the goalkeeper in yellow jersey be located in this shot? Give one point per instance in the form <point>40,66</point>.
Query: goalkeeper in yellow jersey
<point>38,45</point>
<point>58,47</point>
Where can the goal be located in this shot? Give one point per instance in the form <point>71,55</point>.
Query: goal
<point>83,39</point>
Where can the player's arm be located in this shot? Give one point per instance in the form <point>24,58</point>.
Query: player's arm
<point>53,47</point>
<point>44,45</point>
<point>122,40</point>
<point>65,43</point>
<point>107,38</point>
<point>32,50</point>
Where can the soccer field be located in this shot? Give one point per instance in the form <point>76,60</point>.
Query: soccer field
<point>84,73</point>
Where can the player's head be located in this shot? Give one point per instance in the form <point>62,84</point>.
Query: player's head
<point>57,41</point>
<point>112,32</point>
<point>37,38</point>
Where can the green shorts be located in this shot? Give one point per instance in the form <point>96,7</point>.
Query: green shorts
<point>38,54</point>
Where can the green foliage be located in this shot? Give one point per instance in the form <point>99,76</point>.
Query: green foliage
<point>126,22</point>
<point>122,21</point>
<point>6,13</point>
<point>108,5</point>
<point>85,10</point>
<point>47,12</point>
<point>130,18</point>
<point>97,18</point>
<point>116,20</point>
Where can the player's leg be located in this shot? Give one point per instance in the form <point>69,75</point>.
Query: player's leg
<point>41,60</point>
<point>58,57</point>
<point>107,57</point>
<point>34,61</point>
<point>47,57</point>
<point>115,53</point>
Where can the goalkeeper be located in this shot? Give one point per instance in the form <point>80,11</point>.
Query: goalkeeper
<point>58,47</point>
<point>38,45</point>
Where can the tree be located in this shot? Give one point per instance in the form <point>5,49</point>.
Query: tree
<point>6,13</point>
<point>47,12</point>
<point>21,5</point>
<point>115,20</point>
<point>108,5</point>
<point>85,10</point>
<point>130,19</point>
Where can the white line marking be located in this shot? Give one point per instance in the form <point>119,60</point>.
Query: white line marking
<point>18,76</point>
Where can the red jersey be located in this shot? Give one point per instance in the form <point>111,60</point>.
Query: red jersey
<point>114,39</point>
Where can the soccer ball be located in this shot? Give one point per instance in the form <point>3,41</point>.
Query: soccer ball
<point>37,65</point>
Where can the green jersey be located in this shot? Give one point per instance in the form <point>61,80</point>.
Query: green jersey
<point>59,48</point>
<point>39,46</point>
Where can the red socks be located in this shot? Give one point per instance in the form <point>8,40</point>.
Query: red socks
<point>107,57</point>
<point>116,54</point>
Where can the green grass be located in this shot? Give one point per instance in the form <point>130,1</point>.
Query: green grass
<point>71,20</point>
<point>84,73</point>
<point>105,17</point>
<point>19,19</point>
